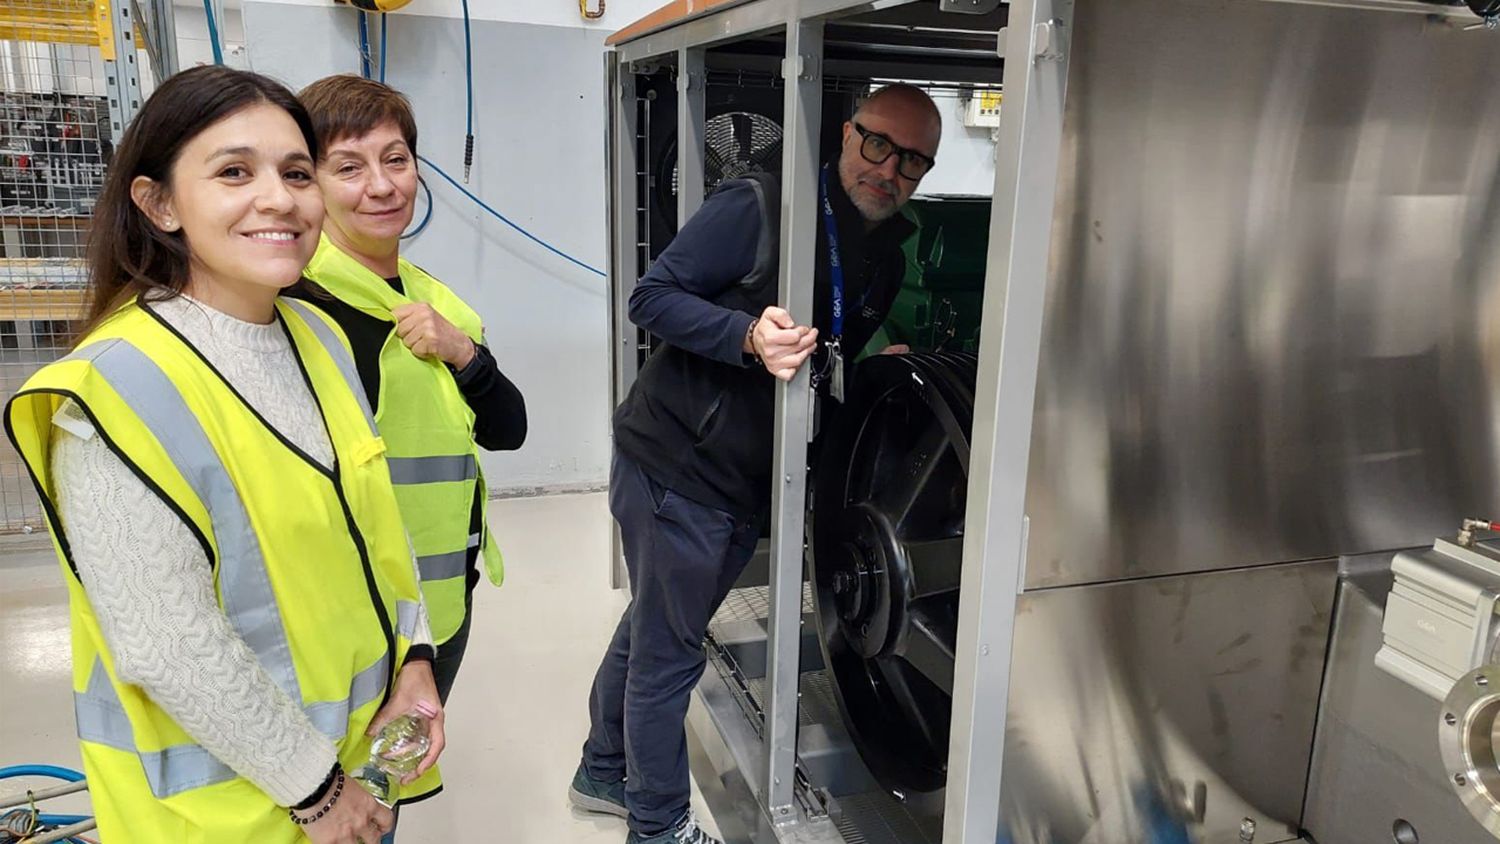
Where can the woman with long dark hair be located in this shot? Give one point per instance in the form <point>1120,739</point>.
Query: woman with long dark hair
<point>245,607</point>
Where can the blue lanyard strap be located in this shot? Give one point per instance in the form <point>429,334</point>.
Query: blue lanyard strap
<point>835,264</point>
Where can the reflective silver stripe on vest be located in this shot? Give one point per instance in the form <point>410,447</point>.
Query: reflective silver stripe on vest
<point>406,617</point>
<point>101,718</point>
<point>340,355</point>
<point>332,717</point>
<point>474,539</point>
<point>173,770</point>
<point>443,566</point>
<point>245,587</point>
<point>431,470</point>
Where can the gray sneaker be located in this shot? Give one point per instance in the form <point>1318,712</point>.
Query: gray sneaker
<point>687,831</point>
<point>591,795</point>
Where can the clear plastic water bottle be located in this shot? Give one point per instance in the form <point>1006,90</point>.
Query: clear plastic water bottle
<point>398,748</point>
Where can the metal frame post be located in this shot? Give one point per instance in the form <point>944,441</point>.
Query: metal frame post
<point>692,85</point>
<point>166,31</point>
<point>164,36</point>
<point>1026,167</point>
<point>799,198</point>
<point>122,72</point>
<point>621,143</point>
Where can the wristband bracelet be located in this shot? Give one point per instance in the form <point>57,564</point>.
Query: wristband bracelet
<point>338,789</point>
<point>750,337</point>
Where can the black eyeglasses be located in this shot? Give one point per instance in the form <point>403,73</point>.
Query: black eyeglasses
<point>876,148</point>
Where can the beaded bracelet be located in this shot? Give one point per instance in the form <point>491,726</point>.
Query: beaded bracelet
<point>338,789</point>
<point>750,336</point>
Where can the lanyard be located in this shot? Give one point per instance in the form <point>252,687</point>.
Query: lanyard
<point>835,264</point>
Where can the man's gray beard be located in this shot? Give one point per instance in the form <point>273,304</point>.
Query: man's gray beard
<point>875,213</point>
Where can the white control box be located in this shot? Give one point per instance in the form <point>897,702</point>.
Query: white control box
<point>983,109</point>
<point>1440,617</point>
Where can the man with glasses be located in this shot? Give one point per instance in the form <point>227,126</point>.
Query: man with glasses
<point>690,481</point>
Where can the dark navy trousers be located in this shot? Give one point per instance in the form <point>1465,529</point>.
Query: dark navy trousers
<point>683,557</point>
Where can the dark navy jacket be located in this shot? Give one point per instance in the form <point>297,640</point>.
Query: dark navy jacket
<point>699,418</point>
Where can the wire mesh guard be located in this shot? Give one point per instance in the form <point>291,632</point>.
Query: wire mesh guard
<point>56,136</point>
<point>736,144</point>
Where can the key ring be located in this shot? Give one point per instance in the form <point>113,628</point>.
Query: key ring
<point>820,373</point>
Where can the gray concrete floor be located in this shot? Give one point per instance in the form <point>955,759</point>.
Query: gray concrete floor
<point>518,714</point>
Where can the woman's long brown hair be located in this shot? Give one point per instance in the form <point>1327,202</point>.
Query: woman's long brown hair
<point>127,254</point>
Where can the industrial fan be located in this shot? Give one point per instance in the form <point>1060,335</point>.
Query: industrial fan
<point>888,522</point>
<point>735,144</point>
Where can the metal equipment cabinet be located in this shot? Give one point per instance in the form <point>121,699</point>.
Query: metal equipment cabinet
<point>1237,344</point>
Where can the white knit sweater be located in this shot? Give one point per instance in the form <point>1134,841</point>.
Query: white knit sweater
<point>150,584</point>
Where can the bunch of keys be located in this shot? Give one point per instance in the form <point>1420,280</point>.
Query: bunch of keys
<point>832,372</point>
<point>836,377</point>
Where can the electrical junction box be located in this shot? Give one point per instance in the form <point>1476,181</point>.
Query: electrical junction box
<point>982,109</point>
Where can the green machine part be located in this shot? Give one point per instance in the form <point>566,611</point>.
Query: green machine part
<point>938,307</point>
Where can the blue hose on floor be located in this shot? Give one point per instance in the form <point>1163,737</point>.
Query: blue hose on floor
<point>61,820</point>
<point>53,771</point>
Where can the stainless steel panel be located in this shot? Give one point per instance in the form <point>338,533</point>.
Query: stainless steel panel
<point>1270,329</point>
<point>1132,701</point>
<point>1377,760</point>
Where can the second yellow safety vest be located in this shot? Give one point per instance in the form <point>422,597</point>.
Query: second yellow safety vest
<point>428,428</point>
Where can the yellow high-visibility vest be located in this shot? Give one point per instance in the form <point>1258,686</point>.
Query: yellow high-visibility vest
<point>311,565</point>
<point>428,430</point>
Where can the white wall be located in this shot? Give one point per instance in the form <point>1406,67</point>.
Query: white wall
<point>966,157</point>
<point>193,45</point>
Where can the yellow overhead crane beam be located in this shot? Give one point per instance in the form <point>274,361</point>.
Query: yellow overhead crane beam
<point>84,22</point>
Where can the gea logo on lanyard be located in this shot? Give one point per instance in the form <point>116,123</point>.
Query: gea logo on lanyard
<point>835,363</point>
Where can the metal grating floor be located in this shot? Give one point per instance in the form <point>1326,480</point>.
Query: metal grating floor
<point>753,603</point>
<point>878,819</point>
<point>869,818</point>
